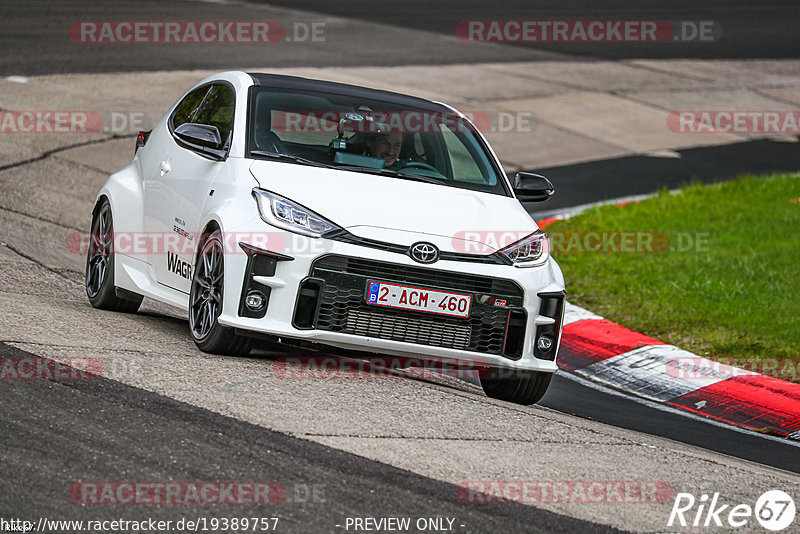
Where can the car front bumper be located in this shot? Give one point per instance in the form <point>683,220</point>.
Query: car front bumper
<point>511,306</point>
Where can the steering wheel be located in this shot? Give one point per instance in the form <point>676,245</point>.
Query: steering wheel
<point>421,165</point>
<point>277,145</point>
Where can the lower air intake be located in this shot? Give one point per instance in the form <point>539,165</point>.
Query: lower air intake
<point>419,330</point>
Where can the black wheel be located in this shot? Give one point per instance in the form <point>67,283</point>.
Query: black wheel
<point>100,266</point>
<point>205,302</point>
<point>520,387</point>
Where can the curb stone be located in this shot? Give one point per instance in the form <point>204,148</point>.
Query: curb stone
<point>605,352</point>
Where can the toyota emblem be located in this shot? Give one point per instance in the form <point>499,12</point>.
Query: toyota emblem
<point>424,252</point>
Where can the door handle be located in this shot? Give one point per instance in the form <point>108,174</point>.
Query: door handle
<point>165,167</point>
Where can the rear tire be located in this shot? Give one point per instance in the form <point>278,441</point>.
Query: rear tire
<point>519,387</point>
<point>205,302</point>
<point>100,266</point>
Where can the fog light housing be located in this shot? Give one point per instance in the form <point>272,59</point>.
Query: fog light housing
<point>255,300</point>
<point>544,343</point>
<point>547,335</point>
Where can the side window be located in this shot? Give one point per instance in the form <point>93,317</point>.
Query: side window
<point>188,106</point>
<point>216,109</point>
<point>303,127</point>
<point>465,167</point>
<point>212,105</point>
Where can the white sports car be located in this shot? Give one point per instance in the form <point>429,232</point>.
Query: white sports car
<point>308,211</point>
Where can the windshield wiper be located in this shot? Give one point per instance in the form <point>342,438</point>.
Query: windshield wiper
<point>290,158</point>
<point>393,173</point>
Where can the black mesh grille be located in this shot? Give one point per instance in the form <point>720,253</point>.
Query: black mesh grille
<point>418,275</point>
<point>342,307</point>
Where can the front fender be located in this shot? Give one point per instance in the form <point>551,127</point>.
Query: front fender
<point>125,193</point>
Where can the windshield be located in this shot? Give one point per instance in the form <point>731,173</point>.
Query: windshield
<point>377,137</point>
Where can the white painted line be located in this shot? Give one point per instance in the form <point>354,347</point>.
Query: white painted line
<point>17,79</point>
<point>573,313</point>
<point>572,211</point>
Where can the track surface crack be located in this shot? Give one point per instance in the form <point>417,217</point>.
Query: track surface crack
<point>48,153</point>
<point>60,271</point>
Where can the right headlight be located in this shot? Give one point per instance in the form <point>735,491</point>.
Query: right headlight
<point>530,251</point>
<point>283,213</point>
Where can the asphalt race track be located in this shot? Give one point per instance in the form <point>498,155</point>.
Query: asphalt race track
<point>583,183</point>
<point>752,31</point>
<point>183,442</point>
<point>373,447</point>
<point>760,30</point>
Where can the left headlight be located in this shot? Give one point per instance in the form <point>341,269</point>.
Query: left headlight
<point>530,251</point>
<point>283,213</point>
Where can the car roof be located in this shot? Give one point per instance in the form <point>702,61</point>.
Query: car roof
<point>307,84</point>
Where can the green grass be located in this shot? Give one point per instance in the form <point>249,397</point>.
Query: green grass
<point>735,294</point>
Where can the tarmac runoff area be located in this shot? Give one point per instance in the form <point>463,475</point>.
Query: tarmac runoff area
<point>440,429</point>
<point>535,114</point>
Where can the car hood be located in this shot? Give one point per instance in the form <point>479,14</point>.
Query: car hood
<point>397,210</point>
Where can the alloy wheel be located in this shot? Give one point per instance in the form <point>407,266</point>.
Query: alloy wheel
<point>206,292</point>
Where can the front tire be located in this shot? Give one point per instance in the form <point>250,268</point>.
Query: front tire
<point>100,266</point>
<point>519,387</point>
<point>205,302</point>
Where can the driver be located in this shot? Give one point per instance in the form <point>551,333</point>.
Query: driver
<point>387,147</point>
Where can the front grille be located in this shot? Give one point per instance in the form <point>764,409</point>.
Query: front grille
<point>421,330</point>
<point>342,307</point>
<point>388,272</point>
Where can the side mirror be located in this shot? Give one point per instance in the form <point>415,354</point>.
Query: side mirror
<point>203,135</point>
<point>531,187</point>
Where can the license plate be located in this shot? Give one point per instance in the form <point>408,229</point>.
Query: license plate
<point>415,298</point>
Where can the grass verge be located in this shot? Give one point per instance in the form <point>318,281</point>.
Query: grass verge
<point>714,269</point>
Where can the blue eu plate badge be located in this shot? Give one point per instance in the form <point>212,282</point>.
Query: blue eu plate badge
<point>373,291</point>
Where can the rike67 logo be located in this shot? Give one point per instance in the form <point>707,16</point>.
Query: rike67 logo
<point>774,510</point>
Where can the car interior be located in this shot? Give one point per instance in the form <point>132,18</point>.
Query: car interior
<point>332,130</point>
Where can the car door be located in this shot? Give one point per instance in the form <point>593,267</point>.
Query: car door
<point>180,183</point>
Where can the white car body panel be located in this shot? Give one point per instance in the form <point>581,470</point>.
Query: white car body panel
<point>174,195</point>
<point>356,200</point>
